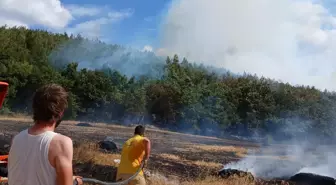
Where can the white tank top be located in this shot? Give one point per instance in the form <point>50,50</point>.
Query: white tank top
<point>28,162</point>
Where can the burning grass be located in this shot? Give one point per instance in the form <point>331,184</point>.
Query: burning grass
<point>235,150</point>
<point>159,180</point>
<point>88,153</point>
<point>102,166</point>
<point>201,163</point>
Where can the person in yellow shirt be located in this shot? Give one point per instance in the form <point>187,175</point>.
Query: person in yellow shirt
<point>134,151</point>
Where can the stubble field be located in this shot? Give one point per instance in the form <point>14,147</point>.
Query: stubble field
<point>176,158</point>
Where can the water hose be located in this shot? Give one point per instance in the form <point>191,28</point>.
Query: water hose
<point>112,183</point>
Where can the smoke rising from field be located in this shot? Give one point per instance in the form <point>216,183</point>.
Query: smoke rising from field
<point>95,55</point>
<point>284,161</point>
<point>305,151</point>
<point>291,41</point>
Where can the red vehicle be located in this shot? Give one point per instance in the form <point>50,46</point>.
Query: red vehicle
<point>3,92</point>
<point>3,158</point>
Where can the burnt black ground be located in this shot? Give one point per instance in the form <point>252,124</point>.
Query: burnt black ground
<point>299,178</point>
<point>226,173</point>
<point>312,179</point>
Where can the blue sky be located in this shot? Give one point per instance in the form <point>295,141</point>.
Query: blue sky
<point>139,29</point>
<point>132,23</point>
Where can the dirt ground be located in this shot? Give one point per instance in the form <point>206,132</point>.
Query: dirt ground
<point>175,156</point>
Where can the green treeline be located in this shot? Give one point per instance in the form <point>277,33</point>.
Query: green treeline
<point>171,93</point>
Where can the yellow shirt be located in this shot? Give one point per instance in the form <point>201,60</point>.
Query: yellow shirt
<point>132,155</point>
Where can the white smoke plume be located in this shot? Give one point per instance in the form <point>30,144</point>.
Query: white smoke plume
<point>300,157</point>
<point>288,40</point>
<point>307,154</point>
<point>95,55</point>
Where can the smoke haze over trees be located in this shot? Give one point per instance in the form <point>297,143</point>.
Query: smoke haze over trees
<point>111,83</point>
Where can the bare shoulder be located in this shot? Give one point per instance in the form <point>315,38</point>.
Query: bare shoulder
<point>62,139</point>
<point>146,140</point>
<point>61,143</point>
<point>60,147</point>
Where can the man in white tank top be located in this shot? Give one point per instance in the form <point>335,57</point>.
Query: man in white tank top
<point>38,155</point>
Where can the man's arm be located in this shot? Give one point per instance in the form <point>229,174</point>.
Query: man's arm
<point>63,153</point>
<point>11,143</point>
<point>147,148</point>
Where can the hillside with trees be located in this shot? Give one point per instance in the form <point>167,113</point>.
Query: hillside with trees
<point>113,84</point>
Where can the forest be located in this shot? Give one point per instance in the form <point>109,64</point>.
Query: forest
<point>114,84</point>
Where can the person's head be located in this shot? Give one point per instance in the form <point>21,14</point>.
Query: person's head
<point>139,130</point>
<point>49,104</point>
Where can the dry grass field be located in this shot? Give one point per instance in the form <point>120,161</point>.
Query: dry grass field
<point>176,158</point>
